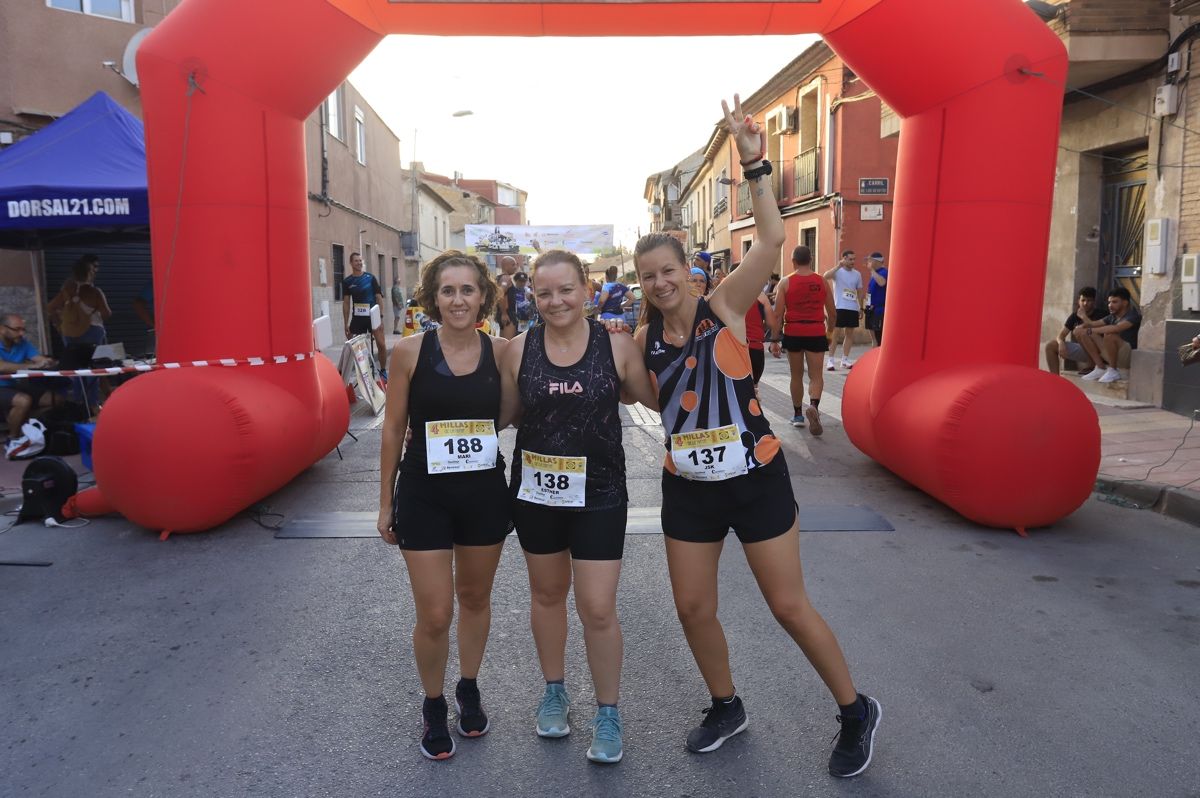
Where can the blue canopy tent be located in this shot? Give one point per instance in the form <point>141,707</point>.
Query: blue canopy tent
<point>80,180</point>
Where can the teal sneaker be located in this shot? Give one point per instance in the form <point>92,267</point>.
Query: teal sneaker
<point>552,712</point>
<point>606,736</point>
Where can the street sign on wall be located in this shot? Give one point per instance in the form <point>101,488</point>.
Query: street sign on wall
<point>873,185</point>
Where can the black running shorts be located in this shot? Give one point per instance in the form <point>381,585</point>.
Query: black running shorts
<point>442,511</point>
<point>847,318</point>
<point>360,325</point>
<point>589,534</point>
<point>805,343</point>
<point>758,363</point>
<point>756,506</point>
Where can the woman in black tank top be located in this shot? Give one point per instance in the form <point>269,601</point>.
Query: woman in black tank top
<point>563,380</point>
<point>448,510</point>
<point>724,467</point>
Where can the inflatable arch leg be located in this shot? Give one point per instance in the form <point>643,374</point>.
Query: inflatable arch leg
<point>226,88</point>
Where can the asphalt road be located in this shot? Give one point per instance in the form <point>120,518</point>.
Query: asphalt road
<point>230,663</point>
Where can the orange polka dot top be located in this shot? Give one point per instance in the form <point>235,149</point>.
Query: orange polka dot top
<point>706,384</point>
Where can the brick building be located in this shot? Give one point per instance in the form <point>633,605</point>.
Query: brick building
<point>834,175</point>
<point>56,53</point>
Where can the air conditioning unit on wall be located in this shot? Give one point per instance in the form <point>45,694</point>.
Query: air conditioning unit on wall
<point>781,119</point>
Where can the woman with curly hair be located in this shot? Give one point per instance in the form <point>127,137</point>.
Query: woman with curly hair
<point>448,508</point>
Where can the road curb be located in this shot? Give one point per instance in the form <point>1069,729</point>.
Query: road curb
<point>1177,503</point>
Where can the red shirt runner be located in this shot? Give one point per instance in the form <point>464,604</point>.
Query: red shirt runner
<point>804,306</point>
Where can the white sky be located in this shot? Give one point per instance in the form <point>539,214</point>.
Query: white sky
<point>578,123</point>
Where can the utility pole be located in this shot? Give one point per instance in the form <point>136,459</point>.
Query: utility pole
<point>416,222</point>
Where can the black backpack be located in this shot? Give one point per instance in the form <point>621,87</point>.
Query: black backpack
<point>45,487</point>
<point>61,437</point>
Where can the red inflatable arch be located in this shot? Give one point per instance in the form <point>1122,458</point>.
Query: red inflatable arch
<point>953,403</point>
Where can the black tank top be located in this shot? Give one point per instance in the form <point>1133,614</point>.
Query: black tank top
<point>436,394</point>
<point>707,384</point>
<point>572,411</point>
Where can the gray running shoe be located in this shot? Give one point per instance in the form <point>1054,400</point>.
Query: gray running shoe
<point>606,737</point>
<point>552,712</point>
<point>814,420</point>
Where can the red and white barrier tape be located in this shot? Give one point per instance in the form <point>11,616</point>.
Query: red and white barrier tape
<point>141,367</point>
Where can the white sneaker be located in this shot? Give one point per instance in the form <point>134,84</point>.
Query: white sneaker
<point>829,364</point>
<point>1094,374</point>
<point>1111,375</point>
<point>847,363</point>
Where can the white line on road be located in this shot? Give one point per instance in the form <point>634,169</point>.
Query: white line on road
<point>831,397</point>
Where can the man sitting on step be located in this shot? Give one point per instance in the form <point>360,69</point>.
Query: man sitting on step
<point>1066,346</point>
<point>1110,339</point>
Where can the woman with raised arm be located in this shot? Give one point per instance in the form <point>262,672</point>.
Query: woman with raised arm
<point>563,381</point>
<point>449,510</point>
<point>724,468</point>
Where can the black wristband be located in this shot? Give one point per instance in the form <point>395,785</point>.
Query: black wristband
<point>759,171</point>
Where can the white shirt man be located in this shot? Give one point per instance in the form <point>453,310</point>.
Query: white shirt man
<point>848,297</point>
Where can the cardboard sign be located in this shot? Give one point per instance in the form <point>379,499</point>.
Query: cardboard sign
<point>358,372</point>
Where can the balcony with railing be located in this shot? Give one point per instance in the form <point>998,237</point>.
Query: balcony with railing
<point>744,207</point>
<point>804,172</point>
<point>743,198</point>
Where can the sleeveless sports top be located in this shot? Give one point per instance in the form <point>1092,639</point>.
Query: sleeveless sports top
<point>804,306</point>
<point>706,385</point>
<point>436,394</point>
<point>571,411</point>
<point>92,313</point>
<point>755,332</point>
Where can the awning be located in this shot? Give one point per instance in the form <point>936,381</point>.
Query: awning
<point>78,180</point>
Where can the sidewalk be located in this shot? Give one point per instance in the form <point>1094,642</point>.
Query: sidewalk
<point>1145,462</point>
<point>1150,458</point>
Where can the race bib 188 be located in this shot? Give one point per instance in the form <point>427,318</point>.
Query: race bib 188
<point>709,455</point>
<point>460,445</point>
<point>553,480</point>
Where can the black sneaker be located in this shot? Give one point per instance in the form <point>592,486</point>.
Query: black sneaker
<point>721,721</point>
<point>472,720</point>
<point>436,742</point>
<point>855,741</point>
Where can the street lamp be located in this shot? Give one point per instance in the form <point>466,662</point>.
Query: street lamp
<point>416,221</point>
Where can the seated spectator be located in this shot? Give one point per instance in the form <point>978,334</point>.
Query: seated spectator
<point>1107,340</point>
<point>18,398</point>
<point>614,296</point>
<point>1065,347</point>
